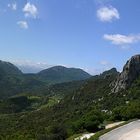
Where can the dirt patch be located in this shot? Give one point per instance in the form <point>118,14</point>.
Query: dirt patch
<point>113,124</point>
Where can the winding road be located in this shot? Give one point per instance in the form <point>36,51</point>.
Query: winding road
<point>130,131</point>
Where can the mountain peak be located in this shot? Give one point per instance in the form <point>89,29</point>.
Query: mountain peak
<point>131,71</point>
<point>8,68</point>
<point>111,71</point>
<point>59,74</point>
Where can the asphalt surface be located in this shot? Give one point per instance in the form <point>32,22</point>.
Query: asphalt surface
<point>117,133</point>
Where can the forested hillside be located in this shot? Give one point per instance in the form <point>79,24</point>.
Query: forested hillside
<point>13,81</point>
<point>71,108</point>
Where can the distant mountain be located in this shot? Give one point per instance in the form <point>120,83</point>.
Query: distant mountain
<point>31,67</point>
<point>7,68</point>
<point>60,74</point>
<point>84,109</point>
<point>112,71</point>
<point>13,81</point>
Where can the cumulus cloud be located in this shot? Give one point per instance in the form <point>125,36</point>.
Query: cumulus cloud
<point>107,14</point>
<point>13,6</point>
<point>119,39</point>
<point>23,24</point>
<point>30,10</point>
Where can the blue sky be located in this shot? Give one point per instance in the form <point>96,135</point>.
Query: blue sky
<point>91,34</point>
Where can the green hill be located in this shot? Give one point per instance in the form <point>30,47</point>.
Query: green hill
<point>85,106</point>
<point>13,81</point>
<point>71,115</point>
<point>7,68</point>
<point>60,74</point>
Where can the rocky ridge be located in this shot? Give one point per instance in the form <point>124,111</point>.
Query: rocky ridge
<point>131,71</point>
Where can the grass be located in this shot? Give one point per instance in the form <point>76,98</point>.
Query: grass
<point>52,101</point>
<point>34,97</point>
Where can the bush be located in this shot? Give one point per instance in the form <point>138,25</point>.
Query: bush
<point>129,111</point>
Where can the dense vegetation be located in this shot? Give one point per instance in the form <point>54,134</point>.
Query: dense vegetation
<point>58,111</point>
<point>79,111</point>
<point>60,74</point>
<point>13,81</point>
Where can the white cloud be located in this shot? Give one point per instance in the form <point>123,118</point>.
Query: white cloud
<point>23,24</point>
<point>104,63</point>
<point>107,14</point>
<point>13,6</point>
<point>30,10</point>
<point>119,39</point>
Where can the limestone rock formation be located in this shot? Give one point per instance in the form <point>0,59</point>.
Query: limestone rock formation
<point>131,72</point>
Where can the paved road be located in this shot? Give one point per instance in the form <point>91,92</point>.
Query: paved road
<point>117,133</point>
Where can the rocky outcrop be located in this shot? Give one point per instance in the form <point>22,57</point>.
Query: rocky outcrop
<point>109,73</point>
<point>131,72</point>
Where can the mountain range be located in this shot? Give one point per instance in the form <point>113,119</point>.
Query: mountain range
<point>17,82</point>
<point>53,109</point>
